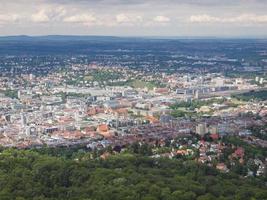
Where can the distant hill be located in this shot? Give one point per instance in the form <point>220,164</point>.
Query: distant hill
<point>112,45</point>
<point>65,44</point>
<point>68,38</point>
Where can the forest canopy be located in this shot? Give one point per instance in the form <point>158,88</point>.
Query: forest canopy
<point>29,174</point>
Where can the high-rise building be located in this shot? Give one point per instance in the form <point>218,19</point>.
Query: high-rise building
<point>19,94</point>
<point>213,130</point>
<point>261,80</point>
<point>197,94</point>
<point>257,79</point>
<point>31,76</point>
<point>23,119</point>
<point>201,129</point>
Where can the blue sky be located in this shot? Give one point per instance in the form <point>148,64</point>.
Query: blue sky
<point>221,18</point>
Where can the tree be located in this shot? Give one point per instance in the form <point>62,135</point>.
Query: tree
<point>206,197</point>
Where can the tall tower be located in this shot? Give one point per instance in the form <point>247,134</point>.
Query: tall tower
<point>197,94</point>
<point>76,116</point>
<point>19,94</point>
<point>117,121</point>
<point>23,119</point>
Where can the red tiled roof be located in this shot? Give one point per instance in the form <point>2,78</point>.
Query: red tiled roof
<point>103,128</point>
<point>214,136</point>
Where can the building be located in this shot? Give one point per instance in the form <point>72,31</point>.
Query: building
<point>23,119</point>
<point>213,130</point>
<point>201,129</point>
<point>261,80</point>
<point>257,79</point>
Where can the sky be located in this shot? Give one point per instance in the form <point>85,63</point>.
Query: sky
<point>181,18</point>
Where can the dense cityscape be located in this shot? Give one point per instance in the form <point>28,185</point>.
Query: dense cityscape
<point>71,101</point>
<point>172,107</point>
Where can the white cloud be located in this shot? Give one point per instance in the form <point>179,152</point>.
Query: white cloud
<point>128,19</point>
<point>8,18</point>
<point>41,16</point>
<point>161,19</point>
<point>203,18</point>
<point>48,14</point>
<point>112,16</point>
<point>244,19</point>
<point>251,18</point>
<point>86,19</point>
<point>121,18</point>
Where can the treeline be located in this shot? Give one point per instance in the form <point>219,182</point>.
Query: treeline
<point>196,103</point>
<point>259,131</point>
<point>10,93</point>
<point>251,151</point>
<point>187,108</point>
<point>27,174</point>
<point>258,95</point>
